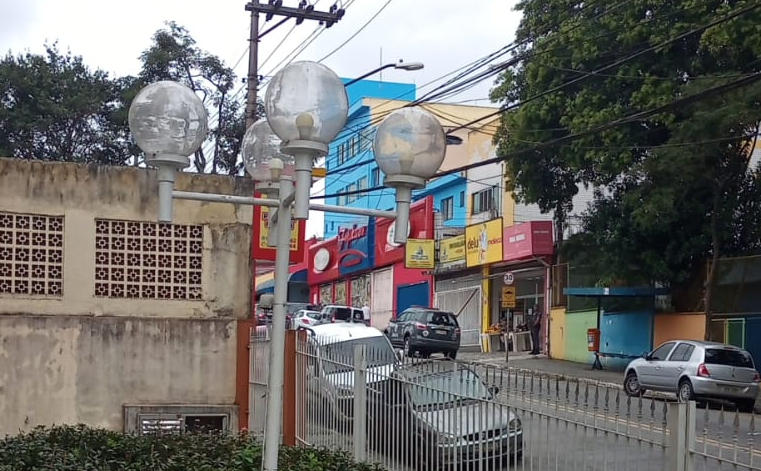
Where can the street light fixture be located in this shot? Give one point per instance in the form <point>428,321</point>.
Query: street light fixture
<point>306,108</point>
<point>409,147</point>
<point>397,65</point>
<point>169,123</point>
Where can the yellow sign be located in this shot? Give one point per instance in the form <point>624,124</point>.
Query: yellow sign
<point>483,243</point>
<point>508,296</point>
<point>452,249</point>
<point>264,230</point>
<point>419,253</point>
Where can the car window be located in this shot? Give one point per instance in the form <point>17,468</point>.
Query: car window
<point>662,352</point>
<point>339,356</point>
<point>441,318</point>
<point>682,352</point>
<point>447,387</point>
<point>728,357</point>
<point>313,314</point>
<point>403,317</point>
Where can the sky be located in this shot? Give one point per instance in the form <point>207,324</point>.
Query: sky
<point>109,35</point>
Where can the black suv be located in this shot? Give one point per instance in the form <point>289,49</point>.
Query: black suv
<point>423,331</point>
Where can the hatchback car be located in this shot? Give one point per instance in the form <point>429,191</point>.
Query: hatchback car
<point>334,313</point>
<point>442,415</point>
<point>305,318</point>
<point>696,370</point>
<point>424,331</point>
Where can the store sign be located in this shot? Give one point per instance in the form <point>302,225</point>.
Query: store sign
<point>259,248</point>
<point>526,240</point>
<point>354,248</point>
<point>420,253</point>
<point>483,243</point>
<point>508,296</point>
<point>452,249</point>
<point>420,226</point>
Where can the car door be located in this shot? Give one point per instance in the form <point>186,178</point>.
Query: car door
<point>649,371</point>
<point>672,368</point>
<point>392,330</point>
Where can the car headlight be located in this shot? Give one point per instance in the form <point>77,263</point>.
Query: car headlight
<point>447,439</point>
<point>514,425</point>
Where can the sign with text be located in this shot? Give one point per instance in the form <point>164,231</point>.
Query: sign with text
<point>483,243</point>
<point>452,249</point>
<point>259,248</point>
<point>419,253</point>
<point>508,296</point>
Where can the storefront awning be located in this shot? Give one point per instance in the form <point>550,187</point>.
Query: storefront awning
<point>268,286</point>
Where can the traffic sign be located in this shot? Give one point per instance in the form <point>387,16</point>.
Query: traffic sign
<point>508,278</point>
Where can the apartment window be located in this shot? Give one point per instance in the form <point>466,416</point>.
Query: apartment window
<point>341,198</point>
<point>341,156</point>
<point>447,208</point>
<point>148,260</point>
<point>375,177</point>
<point>483,201</point>
<point>362,183</point>
<point>358,145</point>
<point>350,198</point>
<point>462,199</point>
<point>31,254</point>
<point>350,149</point>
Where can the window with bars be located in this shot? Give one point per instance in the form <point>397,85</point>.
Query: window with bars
<point>447,208</point>
<point>31,255</point>
<point>483,200</point>
<point>147,260</point>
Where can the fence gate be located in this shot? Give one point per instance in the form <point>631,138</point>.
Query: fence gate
<point>258,372</point>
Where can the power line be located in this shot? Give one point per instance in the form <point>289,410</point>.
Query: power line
<point>340,46</point>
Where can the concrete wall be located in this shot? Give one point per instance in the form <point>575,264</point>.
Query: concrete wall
<point>681,326</point>
<point>575,339</point>
<point>557,333</point>
<point>78,357</point>
<point>76,369</point>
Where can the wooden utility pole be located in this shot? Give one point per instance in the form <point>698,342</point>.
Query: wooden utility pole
<point>275,8</point>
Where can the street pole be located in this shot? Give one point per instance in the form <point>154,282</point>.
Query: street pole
<point>253,64</point>
<point>277,340</point>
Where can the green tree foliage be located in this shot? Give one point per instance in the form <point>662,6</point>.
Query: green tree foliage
<point>672,181</point>
<point>174,55</point>
<point>64,448</point>
<point>53,107</point>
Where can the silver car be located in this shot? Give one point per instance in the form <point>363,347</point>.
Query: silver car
<point>695,369</point>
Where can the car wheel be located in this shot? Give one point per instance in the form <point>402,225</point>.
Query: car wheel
<point>746,405</point>
<point>451,354</point>
<point>408,351</point>
<point>631,385</point>
<point>685,393</point>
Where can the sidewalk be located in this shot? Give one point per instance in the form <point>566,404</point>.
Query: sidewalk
<point>543,364</point>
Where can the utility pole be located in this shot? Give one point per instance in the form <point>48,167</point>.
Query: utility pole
<point>274,8</point>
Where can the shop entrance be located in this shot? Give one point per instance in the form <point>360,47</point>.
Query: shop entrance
<point>529,287</point>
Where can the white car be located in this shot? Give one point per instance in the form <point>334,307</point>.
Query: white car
<point>331,350</point>
<point>305,318</point>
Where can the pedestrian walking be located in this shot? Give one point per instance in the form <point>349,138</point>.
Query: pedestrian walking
<point>534,325</point>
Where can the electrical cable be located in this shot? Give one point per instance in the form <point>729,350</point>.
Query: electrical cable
<point>340,46</point>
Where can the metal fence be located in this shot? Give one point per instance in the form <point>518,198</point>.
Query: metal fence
<point>431,414</point>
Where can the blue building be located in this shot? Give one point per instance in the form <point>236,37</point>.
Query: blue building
<point>351,167</point>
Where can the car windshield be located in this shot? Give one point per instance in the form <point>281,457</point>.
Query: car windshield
<point>339,356</point>
<point>441,318</point>
<point>728,357</point>
<point>447,387</point>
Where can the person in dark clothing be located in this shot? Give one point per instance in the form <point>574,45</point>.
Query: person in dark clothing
<point>534,325</point>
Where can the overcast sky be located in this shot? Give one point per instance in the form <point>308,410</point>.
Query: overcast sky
<point>443,34</point>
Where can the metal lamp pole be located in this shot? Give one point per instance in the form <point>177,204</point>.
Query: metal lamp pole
<point>306,107</point>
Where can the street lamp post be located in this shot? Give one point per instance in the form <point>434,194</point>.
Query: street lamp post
<point>306,108</point>
<point>397,65</point>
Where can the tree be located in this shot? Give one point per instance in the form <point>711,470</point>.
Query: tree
<point>670,179</point>
<point>174,55</point>
<point>54,107</point>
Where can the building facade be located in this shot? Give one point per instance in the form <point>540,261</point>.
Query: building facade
<point>363,265</point>
<point>111,319</point>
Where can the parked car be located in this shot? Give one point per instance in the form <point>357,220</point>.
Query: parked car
<point>423,331</point>
<point>336,313</point>
<point>444,415</point>
<point>330,371</point>
<point>696,370</point>
<point>305,318</point>
<point>264,314</point>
